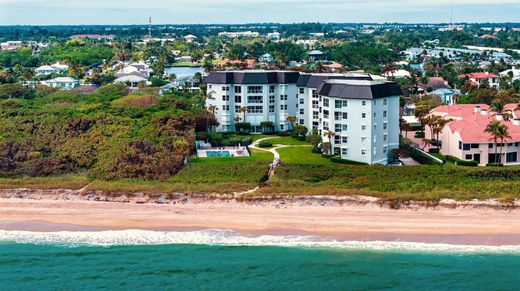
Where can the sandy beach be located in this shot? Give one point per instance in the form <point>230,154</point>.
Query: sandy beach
<point>370,222</point>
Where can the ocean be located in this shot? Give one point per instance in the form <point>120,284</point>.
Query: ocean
<point>133,263</point>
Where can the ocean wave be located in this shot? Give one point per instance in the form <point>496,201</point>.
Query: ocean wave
<point>231,238</point>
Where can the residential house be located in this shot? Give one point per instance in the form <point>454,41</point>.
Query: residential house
<point>477,79</point>
<point>447,95</point>
<point>64,83</point>
<point>465,137</point>
<point>190,38</point>
<point>400,73</point>
<point>265,59</point>
<point>55,68</point>
<point>316,55</point>
<point>187,83</point>
<point>514,72</point>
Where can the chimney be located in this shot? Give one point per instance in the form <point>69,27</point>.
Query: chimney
<point>516,122</point>
<point>484,112</point>
<point>500,117</point>
<point>477,109</point>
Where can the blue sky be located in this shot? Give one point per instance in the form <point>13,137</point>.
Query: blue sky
<point>247,11</point>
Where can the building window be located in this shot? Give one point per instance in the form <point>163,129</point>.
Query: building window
<point>460,145</point>
<point>271,108</point>
<point>283,107</point>
<point>384,114</point>
<point>385,101</point>
<point>315,115</point>
<point>337,139</point>
<point>385,125</point>
<point>225,88</point>
<point>385,137</point>
<point>385,149</point>
<point>363,115</point>
<point>302,122</point>
<point>255,109</point>
<point>344,103</point>
<point>511,157</point>
<point>490,145</point>
<point>345,127</point>
<point>337,115</point>
<point>325,125</point>
<point>282,127</point>
<point>238,99</point>
<point>254,89</point>
<point>469,157</point>
<point>363,139</point>
<point>466,146</point>
<point>302,101</point>
<point>237,109</point>
<point>225,107</point>
<point>271,99</point>
<point>375,102</point>
<point>344,152</point>
<point>255,99</point>
<point>302,90</point>
<point>271,89</point>
<point>364,103</point>
<point>363,127</point>
<point>345,115</point>
<point>325,114</point>
<point>325,102</point>
<point>225,97</point>
<point>283,97</point>
<point>475,145</point>
<point>344,139</point>
<point>238,89</point>
<point>374,114</point>
<point>338,104</point>
<point>337,127</point>
<point>302,111</point>
<point>363,152</point>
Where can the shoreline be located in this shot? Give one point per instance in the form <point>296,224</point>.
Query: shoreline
<point>350,220</point>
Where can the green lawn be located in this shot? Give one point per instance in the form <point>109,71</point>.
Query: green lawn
<point>286,140</point>
<point>301,155</point>
<point>53,182</point>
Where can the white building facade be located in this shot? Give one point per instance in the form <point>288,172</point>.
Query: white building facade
<point>267,96</point>
<point>363,117</point>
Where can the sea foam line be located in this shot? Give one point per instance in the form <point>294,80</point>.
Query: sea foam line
<point>230,238</point>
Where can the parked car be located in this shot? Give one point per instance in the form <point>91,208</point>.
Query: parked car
<point>397,163</point>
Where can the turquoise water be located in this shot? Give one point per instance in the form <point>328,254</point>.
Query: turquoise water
<point>195,267</point>
<point>217,154</point>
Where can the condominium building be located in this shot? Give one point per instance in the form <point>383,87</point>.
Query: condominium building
<point>363,118</point>
<point>363,114</point>
<point>266,96</point>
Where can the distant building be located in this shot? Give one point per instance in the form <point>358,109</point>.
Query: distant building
<point>400,73</point>
<point>477,79</point>
<point>93,36</point>
<point>187,83</point>
<point>64,83</point>
<point>133,80</point>
<point>265,59</point>
<point>190,38</point>
<point>273,36</point>
<point>316,55</point>
<point>513,71</point>
<point>447,95</point>
<point>52,69</point>
<point>239,34</point>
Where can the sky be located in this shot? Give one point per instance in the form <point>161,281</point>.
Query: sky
<point>59,12</point>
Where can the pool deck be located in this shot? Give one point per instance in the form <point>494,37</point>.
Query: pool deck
<point>222,152</point>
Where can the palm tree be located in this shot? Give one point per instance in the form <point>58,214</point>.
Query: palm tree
<point>243,110</point>
<point>205,98</point>
<point>404,126</point>
<point>292,120</point>
<point>498,132</point>
<point>438,127</point>
<point>329,135</point>
<point>212,108</point>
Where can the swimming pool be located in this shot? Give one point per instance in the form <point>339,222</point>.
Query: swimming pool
<point>218,154</point>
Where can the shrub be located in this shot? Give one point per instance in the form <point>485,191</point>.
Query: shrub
<point>461,162</point>
<point>495,165</point>
<point>339,160</point>
<point>326,156</point>
<point>265,144</point>
<point>418,155</point>
<point>134,100</point>
<point>243,127</point>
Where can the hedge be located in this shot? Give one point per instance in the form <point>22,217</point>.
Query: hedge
<point>339,160</point>
<point>461,162</point>
<point>419,156</point>
<point>433,151</point>
<point>265,144</point>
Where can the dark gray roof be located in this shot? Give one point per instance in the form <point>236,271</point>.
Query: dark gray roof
<point>252,77</point>
<point>359,89</point>
<point>315,80</point>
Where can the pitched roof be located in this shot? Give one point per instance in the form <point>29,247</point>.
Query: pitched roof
<point>315,80</point>
<point>359,89</point>
<point>479,75</point>
<point>436,83</point>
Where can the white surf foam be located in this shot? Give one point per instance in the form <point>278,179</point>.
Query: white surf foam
<point>230,238</point>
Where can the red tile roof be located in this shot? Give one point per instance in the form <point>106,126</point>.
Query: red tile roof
<point>471,125</point>
<point>479,75</point>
